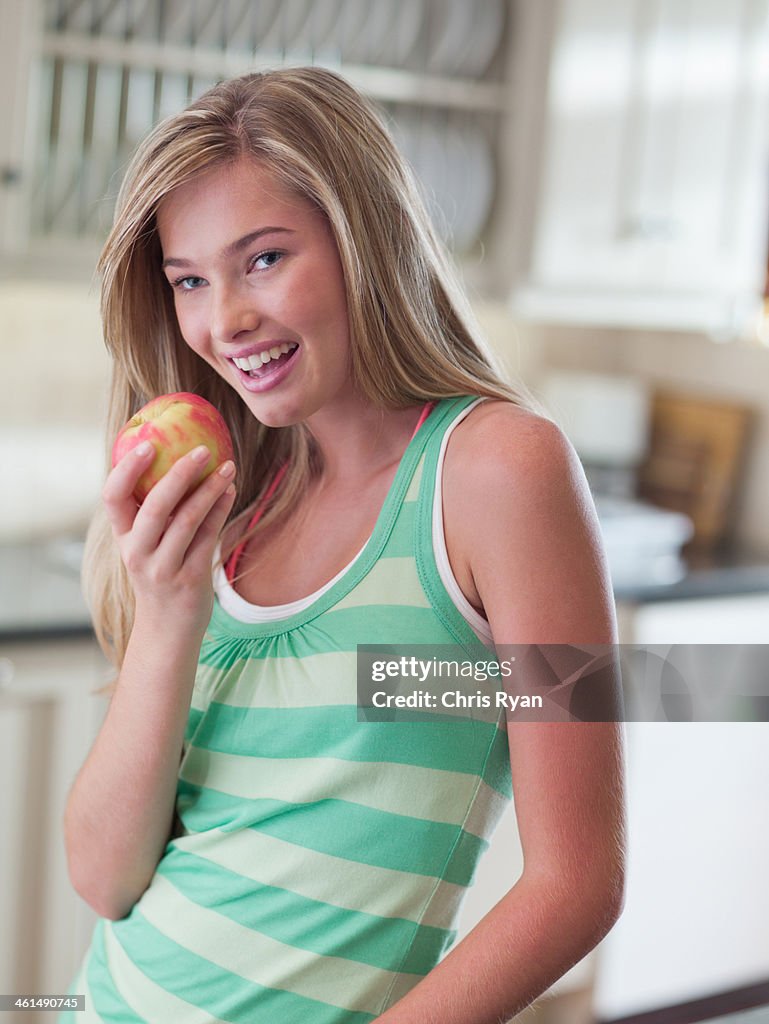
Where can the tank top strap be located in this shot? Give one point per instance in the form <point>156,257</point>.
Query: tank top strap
<point>422,495</point>
<point>403,539</point>
<point>396,516</point>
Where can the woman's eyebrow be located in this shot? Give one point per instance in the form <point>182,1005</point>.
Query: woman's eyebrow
<point>233,247</point>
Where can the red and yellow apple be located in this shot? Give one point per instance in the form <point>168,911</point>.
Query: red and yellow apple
<point>174,424</point>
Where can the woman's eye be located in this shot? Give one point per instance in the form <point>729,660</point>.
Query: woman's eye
<point>188,284</point>
<point>266,259</point>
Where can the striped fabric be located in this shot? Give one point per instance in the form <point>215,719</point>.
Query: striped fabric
<point>324,858</point>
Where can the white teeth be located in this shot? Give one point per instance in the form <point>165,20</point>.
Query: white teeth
<point>255,361</point>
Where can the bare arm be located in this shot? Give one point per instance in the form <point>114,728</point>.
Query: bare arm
<point>533,549</point>
<point>120,809</point>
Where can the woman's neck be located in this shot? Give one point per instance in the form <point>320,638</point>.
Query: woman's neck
<point>357,445</point>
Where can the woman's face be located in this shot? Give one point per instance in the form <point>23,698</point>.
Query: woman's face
<point>254,269</point>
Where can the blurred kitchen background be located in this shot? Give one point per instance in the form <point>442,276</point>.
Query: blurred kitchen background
<point>599,169</point>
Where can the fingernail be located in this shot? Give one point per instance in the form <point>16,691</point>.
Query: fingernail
<point>199,454</point>
<point>230,489</point>
<point>143,449</point>
<point>227,469</point>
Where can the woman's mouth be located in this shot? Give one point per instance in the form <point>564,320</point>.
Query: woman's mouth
<point>262,363</point>
<point>263,370</point>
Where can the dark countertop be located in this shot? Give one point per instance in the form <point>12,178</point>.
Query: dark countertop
<point>40,596</point>
<point>723,573</point>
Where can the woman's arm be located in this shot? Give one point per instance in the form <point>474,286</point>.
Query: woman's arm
<point>119,812</point>
<point>527,527</point>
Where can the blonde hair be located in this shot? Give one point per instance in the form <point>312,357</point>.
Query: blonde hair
<point>413,337</point>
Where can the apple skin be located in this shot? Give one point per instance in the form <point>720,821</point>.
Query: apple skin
<point>174,424</point>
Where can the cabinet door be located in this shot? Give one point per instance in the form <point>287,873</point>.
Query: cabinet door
<point>590,95</point>
<point>740,619</point>
<point>653,198</point>
<point>21,27</point>
<point>694,922</point>
<point>696,906</point>
<point>49,718</point>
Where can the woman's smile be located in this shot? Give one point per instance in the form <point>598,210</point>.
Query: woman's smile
<point>264,366</point>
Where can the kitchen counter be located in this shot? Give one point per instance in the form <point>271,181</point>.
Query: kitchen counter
<point>723,573</point>
<point>40,594</point>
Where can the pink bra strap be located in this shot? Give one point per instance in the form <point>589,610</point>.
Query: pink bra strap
<point>426,410</point>
<point>232,563</point>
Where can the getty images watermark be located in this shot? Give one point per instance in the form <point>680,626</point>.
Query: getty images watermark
<point>565,682</point>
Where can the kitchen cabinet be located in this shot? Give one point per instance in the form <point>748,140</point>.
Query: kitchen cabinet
<point>646,179</point>
<point>696,907</point>
<point>589,161</point>
<point>733,619</point>
<point>694,923</point>
<point>49,717</point>
<point>20,30</point>
<point>91,77</point>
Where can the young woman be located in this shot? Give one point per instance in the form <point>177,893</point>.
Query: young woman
<point>255,852</point>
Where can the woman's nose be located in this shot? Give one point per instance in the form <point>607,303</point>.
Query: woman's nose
<point>233,312</point>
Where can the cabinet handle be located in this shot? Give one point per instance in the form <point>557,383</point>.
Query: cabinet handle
<point>658,229</point>
<point>7,672</point>
<point>10,176</point>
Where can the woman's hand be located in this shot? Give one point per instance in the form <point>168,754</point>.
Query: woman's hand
<point>167,544</point>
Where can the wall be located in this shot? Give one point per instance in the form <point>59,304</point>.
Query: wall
<point>55,374</point>
<point>736,371</point>
<point>52,354</point>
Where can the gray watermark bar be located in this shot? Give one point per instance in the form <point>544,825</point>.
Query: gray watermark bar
<point>25,1001</point>
<point>564,682</point>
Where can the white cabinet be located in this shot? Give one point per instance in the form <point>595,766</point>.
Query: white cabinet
<point>90,78</point>
<point>696,908</point>
<point>610,154</point>
<point>697,904</point>
<point>17,45</point>
<point>651,189</point>
<point>737,619</point>
<point>49,718</point>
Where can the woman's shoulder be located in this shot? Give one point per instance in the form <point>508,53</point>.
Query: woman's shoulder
<point>496,469</point>
<point>517,510</point>
<point>500,436</point>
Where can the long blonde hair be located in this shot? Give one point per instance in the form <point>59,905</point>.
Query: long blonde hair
<point>413,337</point>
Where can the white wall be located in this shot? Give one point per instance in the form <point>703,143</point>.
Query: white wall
<point>55,372</point>
<point>53,361</point>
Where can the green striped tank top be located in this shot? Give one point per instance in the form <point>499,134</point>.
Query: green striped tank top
<point>323,858</point>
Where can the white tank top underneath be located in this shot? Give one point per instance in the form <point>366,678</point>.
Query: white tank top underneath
<point>243,610</point>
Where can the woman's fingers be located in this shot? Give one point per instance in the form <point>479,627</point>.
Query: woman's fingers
<point>152,518</point>
<point>178,523</point>
<point>204,541</point>
<point>117,493</point>
<point>196,521</point>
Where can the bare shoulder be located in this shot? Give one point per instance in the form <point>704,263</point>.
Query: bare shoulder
<point>521,527</point>
<point>501,449</point>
